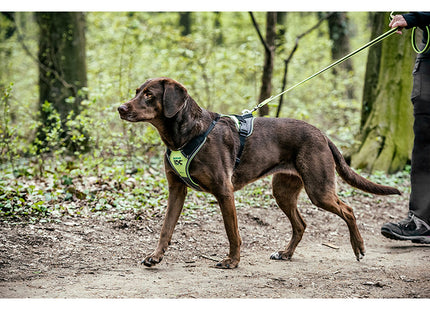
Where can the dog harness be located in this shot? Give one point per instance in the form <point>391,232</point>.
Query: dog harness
<point>181,159</point>
<point>245,126</point>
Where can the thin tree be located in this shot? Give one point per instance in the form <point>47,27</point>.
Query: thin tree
<point>185,22</point>
<point>290,56</point>
<point>7,30</point>
<point>338,26</point>
<point>269,57</point>
<point>219,39</point>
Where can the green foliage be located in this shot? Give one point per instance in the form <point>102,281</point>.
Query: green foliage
<point>118,169</point>
<point>74,190</point>
<point>119,191</point>
<point>124,49</point>
<point>8,136</point>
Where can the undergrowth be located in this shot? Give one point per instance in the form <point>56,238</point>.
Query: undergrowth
<point>117,190</point>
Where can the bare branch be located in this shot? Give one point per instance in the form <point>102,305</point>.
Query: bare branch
<point>254,22</point>
<point>290,56</point>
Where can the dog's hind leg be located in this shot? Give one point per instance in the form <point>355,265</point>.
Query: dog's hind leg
<point>340,208</point>
<point>328,200</point>
<point>319,179</point>
<point>177,193</point>
<point>286,189</point>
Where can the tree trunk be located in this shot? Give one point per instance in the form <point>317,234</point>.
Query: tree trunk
<point>339,35</point>
<point>387,117</point>
<point>9,24</point>
<point>372,67</point>
<point>219,39</point>
<point>7,30</point>
<point>338,25</point>
<point>185,23</point>
<point>269,59</point>
<point>62,68</point>
<point>281,29</point>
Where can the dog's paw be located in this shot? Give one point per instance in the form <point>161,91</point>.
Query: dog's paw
<point>359,251</point>
<point>280,255</point>
<point>227,263</point>
<point>150,261</point>
<point>360,256</point>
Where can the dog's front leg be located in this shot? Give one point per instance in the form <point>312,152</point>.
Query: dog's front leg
<point>228,210</point>
<point>177,193</point>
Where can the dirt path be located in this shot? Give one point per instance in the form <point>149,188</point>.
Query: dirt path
<point>93,258</point>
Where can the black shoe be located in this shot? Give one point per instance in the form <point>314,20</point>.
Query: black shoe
<point>412,228</point>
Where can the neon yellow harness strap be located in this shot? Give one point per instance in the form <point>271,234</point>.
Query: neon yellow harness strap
<point>179,163</point>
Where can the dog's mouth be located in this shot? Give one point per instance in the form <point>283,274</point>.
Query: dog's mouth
<point>132,117</point>
<point>128,118</point>
<point>124,116</point>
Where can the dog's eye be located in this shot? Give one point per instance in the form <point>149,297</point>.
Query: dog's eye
<point>148,96</point>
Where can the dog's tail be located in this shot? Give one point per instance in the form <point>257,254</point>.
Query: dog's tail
<point>355,179</point>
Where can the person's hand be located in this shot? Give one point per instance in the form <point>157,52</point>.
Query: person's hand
<point>398,21</point>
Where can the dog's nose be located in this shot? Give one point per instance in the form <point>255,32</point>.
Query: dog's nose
<point>122,108</point>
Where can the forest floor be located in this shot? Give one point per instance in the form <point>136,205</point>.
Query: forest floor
<point>93,257</point>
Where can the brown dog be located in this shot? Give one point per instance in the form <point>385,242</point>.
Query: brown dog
<point>298,154</point>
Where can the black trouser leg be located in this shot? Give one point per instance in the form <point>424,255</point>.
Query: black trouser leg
<point>420,173</point>
<point>419,203</point>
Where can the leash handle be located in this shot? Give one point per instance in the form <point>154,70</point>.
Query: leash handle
<point>414,42</point>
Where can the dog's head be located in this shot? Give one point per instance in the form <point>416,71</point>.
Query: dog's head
<point>156,98</point>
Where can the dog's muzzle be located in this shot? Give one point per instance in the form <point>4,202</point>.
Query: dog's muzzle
<point>123,111</point>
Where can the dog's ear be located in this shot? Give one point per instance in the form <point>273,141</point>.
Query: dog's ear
<point>174,98</point>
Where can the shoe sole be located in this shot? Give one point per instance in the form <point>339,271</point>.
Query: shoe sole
<point>415,239</point>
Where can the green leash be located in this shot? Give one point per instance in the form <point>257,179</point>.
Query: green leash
<point>414,42</point>
<point>373,42</point>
